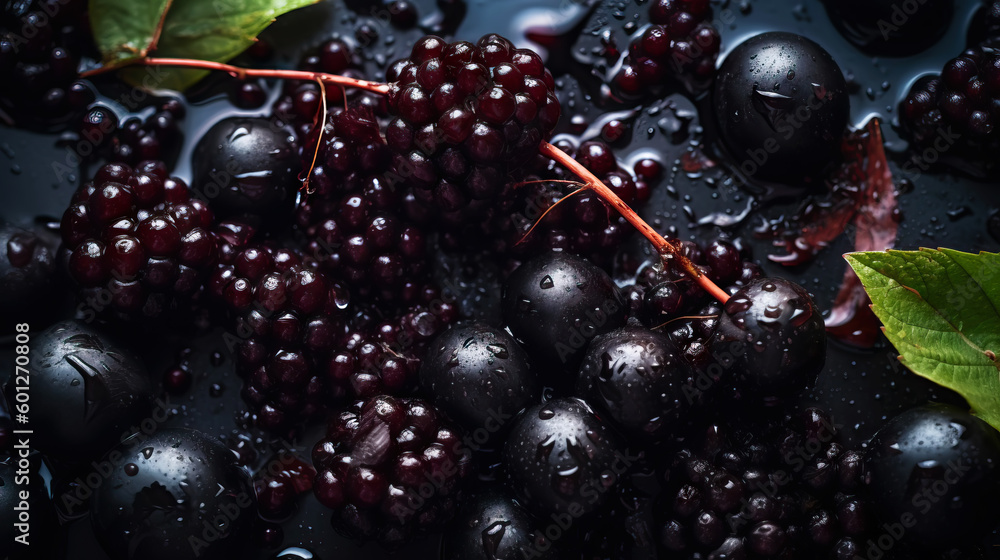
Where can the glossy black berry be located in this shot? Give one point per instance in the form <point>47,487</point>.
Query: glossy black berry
<point>775,334</point>
<point>562,459</point>
<point>31,518</point>
<point>248,167</point>
<point>640,379</point>
<point>556,303</point>
<point>782,106</point>
<point>934,469</point>
<point>176,494</point>
<point>495,527</point>
<point>480,375</point>
<point>390,468</point>
<point>89,390</point>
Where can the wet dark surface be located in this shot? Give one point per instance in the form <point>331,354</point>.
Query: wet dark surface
<point>861,388</point>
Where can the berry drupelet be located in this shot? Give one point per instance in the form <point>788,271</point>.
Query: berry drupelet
<point>378,461</point>
<point>466,115</point>
<point>138,241</point>
<point>680,44</point>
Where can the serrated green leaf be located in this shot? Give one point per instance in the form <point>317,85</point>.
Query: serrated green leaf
<point>941,310</point>
<point>215,30</point>
<point>124,30</point>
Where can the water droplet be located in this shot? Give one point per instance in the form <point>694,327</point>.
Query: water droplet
<point>546,413</point>
<point>546,283</point>
<point>895,449</point>
<point>790,75</point>
<point>492,537</point>
<point>498,350</point>
<point>75,382</point>
<point>147,452</point>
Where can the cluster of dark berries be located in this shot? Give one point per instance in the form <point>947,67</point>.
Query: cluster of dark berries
<point>680,45</point>
<point>306,343</point>
<point>786,489</point>
<point>355,221</point>
<point>466,115</point>
<point>137,240</point>
<point>103,135</point>
<point>41,44</point>
<point>956,111</point>
<point>390,467</point>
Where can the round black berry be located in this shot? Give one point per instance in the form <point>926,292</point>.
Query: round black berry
<point>781,104</point>
<point>562,459</point>
<point>176,494</point>
<point>935,468</point>
<point>556,303</point>
<point>495,527</point>
<point>480,375</point>
<point>248,167</point>
<point>775,334</point>
<point>27,272</point>
<point>640,379</point>
<point>88,390</point>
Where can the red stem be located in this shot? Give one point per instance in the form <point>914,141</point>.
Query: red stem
<point>376,87</point>
<point>663,246</point>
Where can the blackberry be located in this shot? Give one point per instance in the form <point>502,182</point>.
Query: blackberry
<point>480,375</point>
<point>776,334</point>
<point>390,468</point>
<point>303,340</point>
<point>934,469</point>
<point>247,169</point>
<point>680,45</point>
<point>41,47</point>
<point>138,241</point>
<point>956,109</point>
<point>466,116</point>
<point>562,459</point>
<point>27,272</point>
<point>493,526</point>
<point>642,381</point>
<point>752,491</point>
<point>782,106</point>
<point>555,303</point>
<point>177,493</point>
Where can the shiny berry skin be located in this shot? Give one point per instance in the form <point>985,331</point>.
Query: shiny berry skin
<point>44,538</point>
<point>480,375</point>
<point>782,106</point>
<point>562,458</point>
<point>390,468</point>
<point>27,272</point>
<point>247,168</point>
<point>493,526</point>
<point>555,303</point>
<point>145,509</point>
<point>89,388</point>
<point>936,465</point>
<point>640,379</point>
<point>776,334</point>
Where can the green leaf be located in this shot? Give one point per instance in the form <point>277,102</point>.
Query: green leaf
<point>941,310</point>
<point>124,30</point>
<point>215,30</point>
